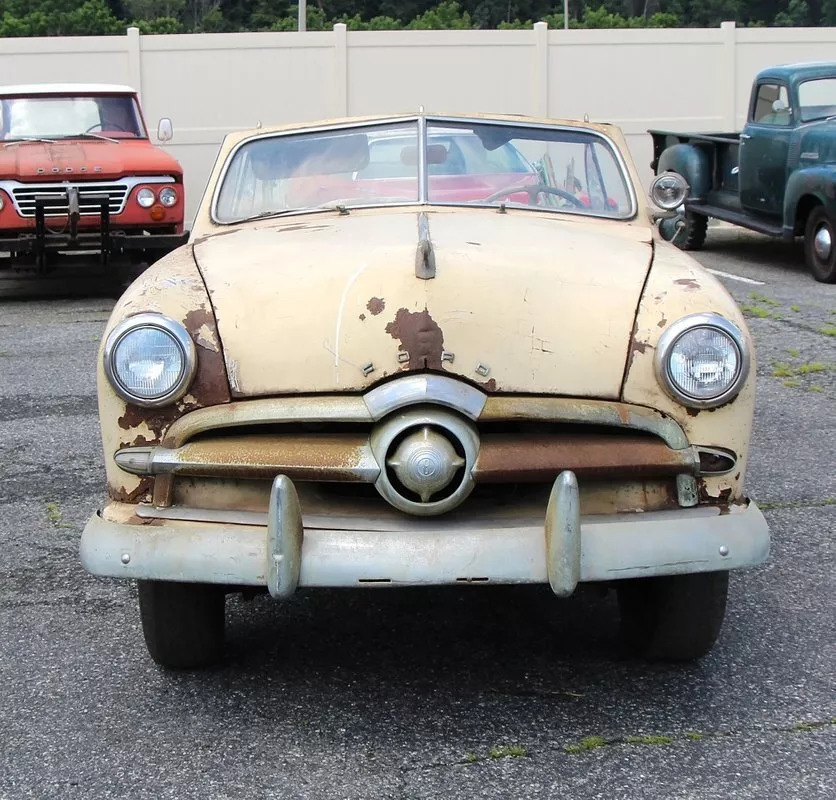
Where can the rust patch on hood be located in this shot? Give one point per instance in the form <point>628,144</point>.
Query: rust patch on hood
<point>376,305</point>
<point>419,336</point>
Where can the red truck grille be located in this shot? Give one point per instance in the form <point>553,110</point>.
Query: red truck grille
<point>56,205</point>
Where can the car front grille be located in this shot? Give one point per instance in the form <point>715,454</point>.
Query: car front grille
<point>56,198</point>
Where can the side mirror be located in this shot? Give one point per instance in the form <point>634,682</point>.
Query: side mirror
<point>165,130</point>
<point>780,105</point>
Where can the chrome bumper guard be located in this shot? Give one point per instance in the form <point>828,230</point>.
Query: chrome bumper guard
<point>566,550</point>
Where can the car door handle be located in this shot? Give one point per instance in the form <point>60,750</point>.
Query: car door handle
<point>745,136</point>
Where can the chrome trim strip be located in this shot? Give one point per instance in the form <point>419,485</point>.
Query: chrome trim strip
<point>180,336</point>
<point>717,452</point>
<point>436,389</point>
<point>266,411</point>
<point>423,173</point>
<point>166,461</point>
<point>585,412</point>
<point>670,337</point>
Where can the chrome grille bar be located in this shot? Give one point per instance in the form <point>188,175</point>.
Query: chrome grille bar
<point>56,204</point>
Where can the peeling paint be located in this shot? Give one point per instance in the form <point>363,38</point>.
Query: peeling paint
<point>376,305</point>
<point>688,283</point>
<point>232,369</point>
<point>142,493</point>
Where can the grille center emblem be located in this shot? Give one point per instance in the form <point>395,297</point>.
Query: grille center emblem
<point>426,456</point>
<point>425,462</point>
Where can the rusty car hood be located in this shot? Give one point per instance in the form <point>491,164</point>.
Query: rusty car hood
<point>520,301</point>
<point>84,159</point>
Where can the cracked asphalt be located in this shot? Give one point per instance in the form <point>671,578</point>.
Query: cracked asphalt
<point>496,693</point>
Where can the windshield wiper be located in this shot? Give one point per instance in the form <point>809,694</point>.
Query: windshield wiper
<point>27,139</point>
<point>287,211</point>
<point>88,135</point>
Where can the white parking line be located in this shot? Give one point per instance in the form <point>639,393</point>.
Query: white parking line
<point>735,277</point>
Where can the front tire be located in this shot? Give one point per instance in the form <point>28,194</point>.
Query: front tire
<point>820,245</point>
<point>693,235</point>
<point>673,617</point>
<point>183,623</point>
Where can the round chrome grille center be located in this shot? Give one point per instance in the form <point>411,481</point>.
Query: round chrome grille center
<point>426,456</point>
<point>425,462</point>
<point>823,243</point>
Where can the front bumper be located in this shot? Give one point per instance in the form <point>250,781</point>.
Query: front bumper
<point>284,552</point>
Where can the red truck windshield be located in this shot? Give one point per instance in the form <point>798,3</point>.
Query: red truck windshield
<point>61,117</point>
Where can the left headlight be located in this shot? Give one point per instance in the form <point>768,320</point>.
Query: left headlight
<point>702,360</point>
<point>150,360</point>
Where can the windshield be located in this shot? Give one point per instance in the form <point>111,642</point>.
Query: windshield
<point>817,99</point>
<point>454,162</point>
<point>114,116</point>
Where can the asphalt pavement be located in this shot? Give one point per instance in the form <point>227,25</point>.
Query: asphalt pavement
<point>445,693</point>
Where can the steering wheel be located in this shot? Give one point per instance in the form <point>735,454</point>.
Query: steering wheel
<point>532,190</point>
<point>111,126</point>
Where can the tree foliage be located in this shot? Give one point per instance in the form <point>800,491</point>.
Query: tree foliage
<point>106,17</point>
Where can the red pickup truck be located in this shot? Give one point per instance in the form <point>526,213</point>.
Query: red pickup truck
<point>79,176</point>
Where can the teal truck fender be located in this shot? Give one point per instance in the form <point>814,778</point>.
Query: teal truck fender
<point>807,188</point>
<point>692,163</point>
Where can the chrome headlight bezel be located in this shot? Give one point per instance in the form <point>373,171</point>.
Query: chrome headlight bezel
<point>675,332</point>
<point>181,338</point>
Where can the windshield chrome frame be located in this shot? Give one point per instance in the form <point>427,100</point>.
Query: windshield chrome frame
<point>423,121</point>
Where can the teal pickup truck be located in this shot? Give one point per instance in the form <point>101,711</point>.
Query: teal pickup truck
<point>777,176</point>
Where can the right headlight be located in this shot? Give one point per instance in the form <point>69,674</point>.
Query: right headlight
<point>702,360</point>
<point>150,360</point>
<point>168,197</point>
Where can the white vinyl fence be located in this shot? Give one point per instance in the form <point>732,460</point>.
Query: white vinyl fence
<point>209,84</point>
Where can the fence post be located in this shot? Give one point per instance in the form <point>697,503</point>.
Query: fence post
<point>133,45</point>
<point>341,69</point>
<point>728,31</point>
<point>541,43</point>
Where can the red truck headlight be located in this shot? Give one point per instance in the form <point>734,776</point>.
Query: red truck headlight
<point>145,197</point>
<point>168,197</point>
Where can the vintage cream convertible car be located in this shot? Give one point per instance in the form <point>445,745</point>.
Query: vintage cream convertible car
<point>426,350</point>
